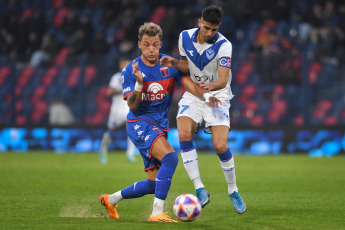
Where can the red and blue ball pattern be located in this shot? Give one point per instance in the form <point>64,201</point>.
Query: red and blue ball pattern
<point>187,207</point>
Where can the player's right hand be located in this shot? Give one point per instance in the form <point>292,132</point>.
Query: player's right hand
<point>137,73</point>
<point>213,101</point>
<point>167,61</point>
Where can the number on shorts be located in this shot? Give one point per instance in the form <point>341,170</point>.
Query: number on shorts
<point>184,107</point>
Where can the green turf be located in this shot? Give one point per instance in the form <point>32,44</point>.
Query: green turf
<point>51,191</point>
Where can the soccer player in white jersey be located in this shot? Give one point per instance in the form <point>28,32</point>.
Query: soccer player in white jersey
<point>206,55</point>
<point>117,116</point>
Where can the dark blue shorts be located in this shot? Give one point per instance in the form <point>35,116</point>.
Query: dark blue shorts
<point>143,134</point>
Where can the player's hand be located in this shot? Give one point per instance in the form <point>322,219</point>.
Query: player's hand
<point>206,86</point>
<point>137,73</point>
<point>213,101</point>
<point>168,61</point>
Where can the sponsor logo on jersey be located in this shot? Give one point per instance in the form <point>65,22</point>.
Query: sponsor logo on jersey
<point>127,89</point>
<point>164,71</point>
<point>225,61</point>
<point>210,54</point>
<point>190,52</point>
<point>154,91</point>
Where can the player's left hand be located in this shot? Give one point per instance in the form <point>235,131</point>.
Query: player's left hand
<point>213,101</point>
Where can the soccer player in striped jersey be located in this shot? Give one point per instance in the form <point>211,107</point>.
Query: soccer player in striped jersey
<point>206,55</point>
<point>148,88</point>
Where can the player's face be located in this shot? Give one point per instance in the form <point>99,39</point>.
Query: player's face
<point>150,47</point>
<point>207,30</point>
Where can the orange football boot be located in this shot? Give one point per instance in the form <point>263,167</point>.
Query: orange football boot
<point>164,218</point>
<point>104,199</point>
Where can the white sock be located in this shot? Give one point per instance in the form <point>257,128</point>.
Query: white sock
<point>229,173</point>
<point>106,139</point>
<point>130,148</point>
<point>158,206</point>
<point>115,198</point>
<point>191,164</point>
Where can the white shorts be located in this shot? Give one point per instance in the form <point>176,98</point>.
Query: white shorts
<point>200,111</point>
<point>117,118</point>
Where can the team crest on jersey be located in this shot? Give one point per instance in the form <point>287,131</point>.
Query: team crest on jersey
<point>164,71</point>
<point>225,61</point>
<point>210,54</point>
<point>122,79</point>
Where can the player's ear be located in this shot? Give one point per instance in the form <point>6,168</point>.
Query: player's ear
<point>139,44</point>
<point>199,22</point>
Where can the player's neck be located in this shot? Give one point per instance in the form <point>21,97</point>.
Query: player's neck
<point>199,39</point>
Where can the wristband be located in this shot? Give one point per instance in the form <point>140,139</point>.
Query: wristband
<point>138,87</point>
<point>207,97</point>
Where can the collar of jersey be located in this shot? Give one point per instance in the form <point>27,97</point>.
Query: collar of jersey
<point>211,41</point>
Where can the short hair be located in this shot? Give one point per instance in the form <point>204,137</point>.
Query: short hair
<point>212,14</point>
<point>150,29</point>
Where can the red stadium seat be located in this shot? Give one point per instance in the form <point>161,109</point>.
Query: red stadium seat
<point>49,76</point>
<point>4,72</point>
<point>73,77</point>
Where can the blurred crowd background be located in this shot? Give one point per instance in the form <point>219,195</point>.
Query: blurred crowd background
<point>288,60</point>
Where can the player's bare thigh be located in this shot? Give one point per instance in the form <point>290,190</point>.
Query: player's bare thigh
<point>186,128</point>
<point>152,174</point>
<point>160,148</point>
<point>220,135</point>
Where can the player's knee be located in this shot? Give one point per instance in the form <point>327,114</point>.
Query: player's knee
<point>185,135</point>
<point>171,160</point>
<point>220,147</point>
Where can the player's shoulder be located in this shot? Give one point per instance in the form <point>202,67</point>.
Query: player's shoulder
<point>222,37</point>
<point>226,43</point>
<point>189,31</point>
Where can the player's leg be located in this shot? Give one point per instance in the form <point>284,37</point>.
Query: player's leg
<point>130,151</point>
<point>186,129</point>
<point>163,152</point>
<point>103,152</point>
<point>106,138</point>
<point>189,116</point>
<point>226,159</point>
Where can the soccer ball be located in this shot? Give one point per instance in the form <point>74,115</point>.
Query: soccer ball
<point>187,207</point>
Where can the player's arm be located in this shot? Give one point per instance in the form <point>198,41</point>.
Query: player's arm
<point>181,65</point>
<point>196,90</point>
<point>220,83</point>
<point>111,92</point>
<point>134,99</point>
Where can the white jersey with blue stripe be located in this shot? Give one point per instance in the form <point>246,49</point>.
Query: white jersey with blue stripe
<point>204,59</point>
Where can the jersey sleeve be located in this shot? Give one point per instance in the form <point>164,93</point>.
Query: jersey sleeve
<point>180,47</point>
<point>128,81</point>
<point>224,54</point>
<point>179,77</point>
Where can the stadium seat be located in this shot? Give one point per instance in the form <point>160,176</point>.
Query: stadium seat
<point>73,77</point>
<point>4,72</point>
<point>331,121</point>
<point>25,76</point>
<point>49,76</point>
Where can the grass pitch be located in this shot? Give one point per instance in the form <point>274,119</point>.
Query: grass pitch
<point>51,191</point>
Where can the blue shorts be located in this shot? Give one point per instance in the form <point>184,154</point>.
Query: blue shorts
<point>143,134</point>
